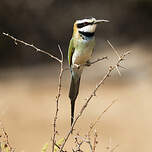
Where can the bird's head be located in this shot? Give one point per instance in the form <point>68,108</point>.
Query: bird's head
<point>87,26</point>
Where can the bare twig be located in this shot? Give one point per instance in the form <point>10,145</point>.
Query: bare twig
<point>107,75</point>
<point>99,117</point>
<point>58,147</point>
<point>95,141</point>
<point>89,63</point>
<point>117,54</point>
<point>16,41</point>
<point>78,145</point>
<point>97,60</point>
<point>93,125</point>
<point>83,140</point>
<point>57,99</point>
<point>113,149</point>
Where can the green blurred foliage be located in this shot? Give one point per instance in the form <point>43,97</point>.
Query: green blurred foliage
<point>45,148</point>
<point>4,147</point>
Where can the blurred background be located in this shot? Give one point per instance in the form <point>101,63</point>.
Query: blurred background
<point>28,80</point>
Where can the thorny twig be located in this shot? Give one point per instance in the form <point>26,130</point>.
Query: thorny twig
<point>78,145</point>
<point>120,58</point>
<point>95,142</point>
<point>59,81</point>
<point>16,41</point>
<point>99,117</point>
<point>117,54</point>
<point>87,137</point>
<point>107,75</point>
<point>57,99</point>
<point>89,63</point>
<point>90,130</point>
<point>58,146</point>
<point>111,148</point>
<point>82,140</point>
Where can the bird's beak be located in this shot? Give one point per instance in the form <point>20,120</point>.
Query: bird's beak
<point>99,21</point>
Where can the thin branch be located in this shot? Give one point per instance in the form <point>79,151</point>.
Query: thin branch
<point>16,41</point>
<point>113,149</point>
<point>117,54</point>
<point>78,145</point>
<point>57,100</point>
<point>89,63</point>
<point>123,67</point>
<point>97,60</point>
<point>99,117</point>
<point>95,141</point>
<point>58,146</point>
<point>84,140</point>
<point>107,75</point>
<point>118,70</point>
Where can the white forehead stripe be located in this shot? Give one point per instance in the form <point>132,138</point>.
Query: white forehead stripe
<point>85,20</point>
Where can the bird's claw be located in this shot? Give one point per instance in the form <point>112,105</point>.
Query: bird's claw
<point>88,63</point>
<point>77,66</point>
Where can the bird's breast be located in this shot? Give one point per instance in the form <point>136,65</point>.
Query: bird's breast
<point>83,51</point>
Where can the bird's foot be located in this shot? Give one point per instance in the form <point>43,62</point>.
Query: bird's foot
<point>88,63</point>
<point>77,66</point>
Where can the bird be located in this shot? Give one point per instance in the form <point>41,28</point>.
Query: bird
<point>80,51</point>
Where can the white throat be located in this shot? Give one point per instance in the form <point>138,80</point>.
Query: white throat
<point>88,28</point>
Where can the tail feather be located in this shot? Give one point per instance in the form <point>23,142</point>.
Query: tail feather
<point>72,111</point>
<point>73,93</point>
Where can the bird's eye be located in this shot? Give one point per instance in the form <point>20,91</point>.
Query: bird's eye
<point>85,23</point>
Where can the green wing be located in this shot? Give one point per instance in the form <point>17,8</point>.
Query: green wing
<point>70,51</point>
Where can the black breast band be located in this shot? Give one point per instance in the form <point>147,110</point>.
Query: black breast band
<point>87,34</point>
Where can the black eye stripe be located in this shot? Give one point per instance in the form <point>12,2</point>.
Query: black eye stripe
<point>80,25</point>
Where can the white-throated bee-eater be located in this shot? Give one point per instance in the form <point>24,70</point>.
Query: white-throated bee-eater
<point>80,50</point>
